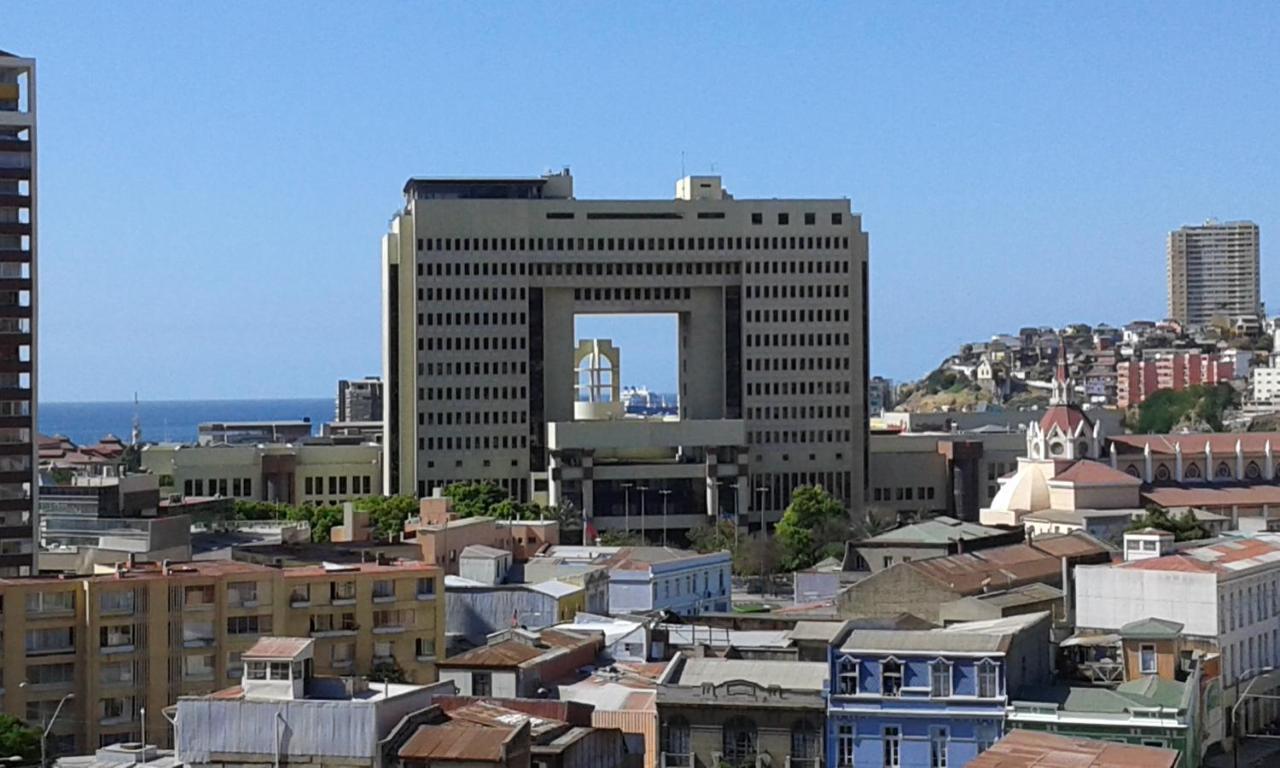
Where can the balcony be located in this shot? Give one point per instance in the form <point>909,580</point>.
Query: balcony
<point>15,422</point>
<point>15,284</point>
<point>110,650</point>
<point>677,760</point>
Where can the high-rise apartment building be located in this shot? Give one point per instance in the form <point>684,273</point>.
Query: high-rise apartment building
<point>1213,272</point>
<point>18,485</point>
<point>486,379</point>
<point>140,637</point>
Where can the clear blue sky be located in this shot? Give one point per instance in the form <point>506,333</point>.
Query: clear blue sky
<point>215,176</point>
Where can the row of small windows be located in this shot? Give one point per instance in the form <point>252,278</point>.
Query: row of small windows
<point>774,412</point>
<point>800,363</point>
<point>472,244</point>
<point>800,436</point>
<point>632,294</point>
<point>923,493</point>
<point>218,486</point>
<point>459,368</point>
<point>315,486</point>
<point>471,294</point>
<point>785,267</point>
<point>472,319</point>
<point>480,368</point>
<point>774,489</point>
<point>841,387</point>
<point>450,418</point>
<point>472,343</point>
<point>797,339</point>
<point>792,291</point>
<point>472,393</point>
<point>516,488</point>
<point>472,442</point>
<point>797,315</point>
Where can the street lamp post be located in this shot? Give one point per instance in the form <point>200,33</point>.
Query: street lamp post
<point>1240,697</point>
<point>665,492</point>
<point>44,735</point>
<point>761,490</point>
<point>626,505</point>
<point>642,489</point>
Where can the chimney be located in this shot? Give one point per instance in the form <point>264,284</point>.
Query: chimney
<point>164,567</point>
<point>129,561</point>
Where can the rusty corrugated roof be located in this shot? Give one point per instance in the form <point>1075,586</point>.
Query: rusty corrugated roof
<point>1030,749</point>
<point>456,741</point>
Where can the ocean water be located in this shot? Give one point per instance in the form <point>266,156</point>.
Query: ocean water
<point>171,420</point>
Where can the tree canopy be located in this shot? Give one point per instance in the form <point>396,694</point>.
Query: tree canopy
<point>1201,404</point>
<point>18,738</point>
<point>387,514</point>
<point>815,525</point>
<point>474,499</point>
<point>1184,527</point>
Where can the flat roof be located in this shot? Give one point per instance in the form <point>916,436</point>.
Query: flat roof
<point>938,530</point>
<point>790,675</point>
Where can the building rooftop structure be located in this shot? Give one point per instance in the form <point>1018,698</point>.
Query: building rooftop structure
<point>121,755</point>
<point>462,742</point>
<point>1009,566</point>
<point>935,530</point>
<point>1226,558</point>
<point>520,649</point>
<point>1030,749</point>
<point>789,675</point>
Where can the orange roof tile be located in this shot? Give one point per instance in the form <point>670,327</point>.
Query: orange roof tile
<point>1221,443</point>
<point>1087,472</point>
<point>1031,749</point>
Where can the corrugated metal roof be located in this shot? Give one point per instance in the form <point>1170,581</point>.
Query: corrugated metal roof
<point>288,648</point>
<point>928,641</point>
<point>1032,749</point>
<point>457,741</point>
<point>938,530</point>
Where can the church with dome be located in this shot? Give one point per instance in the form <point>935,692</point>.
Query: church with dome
<point>1065,474</point>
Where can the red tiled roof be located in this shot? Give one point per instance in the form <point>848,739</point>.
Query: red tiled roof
<point>1221,443</point>
<point>1066,417</point>
<point>457,742</point>
<point>1211,496</point>
<point>1087,472</point>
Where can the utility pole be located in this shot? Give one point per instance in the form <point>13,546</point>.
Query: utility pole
<point>665,493</point>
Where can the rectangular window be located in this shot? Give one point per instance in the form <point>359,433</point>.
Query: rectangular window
<point>384,589</point>
<point>51,602</point>
<point>481,684</point>
<point>343,654</point>
<point>342,590</point>
<point>938,739</point>
<point>198,597</point>
<point>116,673</point>
<point>235,667</point>
<point>1147,659</point>
<point>892,736</point>
<point>120,602</point>
<point>784,218</point>
<point>890,678</point>
<point>424,648</point>
<point>845,737</point>
<point>988,679</point>
<point>300,595</point>
<point>51,674</point>
<point>810,218</point>
<point>197,634</point>
<point>198,667</point>
<point>116,638</point>
<point>242,594</point>
<point>837,218</point>
<point>426,588</point>
<point>248,625</point>
<point>384,650</point>
<point>940,679</point>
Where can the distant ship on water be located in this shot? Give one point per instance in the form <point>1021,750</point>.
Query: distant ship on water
<point>639,401</point>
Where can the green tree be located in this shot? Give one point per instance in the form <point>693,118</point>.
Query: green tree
<point>510,509</point>
<point>387,514</point>
<point>474,499</point>
<point>713,538</point>
<point>1184,527</point>
<point>387,671</point>
<point>260,510</point>
<point>18,739</point>
<point>759,556</point>
<point>1164,409</point>
<point>321,520</point>
<point>621,539</point>
<point>813,523</point>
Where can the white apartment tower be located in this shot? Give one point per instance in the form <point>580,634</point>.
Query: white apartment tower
<point>482,280</point>
<point>1213,272</point>
<point>17,313</point>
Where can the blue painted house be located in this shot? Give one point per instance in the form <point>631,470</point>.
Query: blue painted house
<point>928,698</point>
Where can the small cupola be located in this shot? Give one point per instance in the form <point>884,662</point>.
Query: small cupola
<point>278,668</point>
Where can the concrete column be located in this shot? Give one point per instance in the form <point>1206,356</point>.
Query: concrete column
<point>553,485</point>
<point>1269,471</point>
<point>1177,459</point>
<point>744,498</point>
<point>1146,463</point>
<point>588,499</point>
<point>712,490</point>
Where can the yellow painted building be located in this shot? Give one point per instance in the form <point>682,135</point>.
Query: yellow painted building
<point>143,636</point>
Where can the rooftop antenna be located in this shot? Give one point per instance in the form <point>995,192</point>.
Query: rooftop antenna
<point>682,173</point>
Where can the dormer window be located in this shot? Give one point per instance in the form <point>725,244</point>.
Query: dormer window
<point>890,678</point>
<point>847,676</point>
<point>988,679</point>
<point>940,678</point>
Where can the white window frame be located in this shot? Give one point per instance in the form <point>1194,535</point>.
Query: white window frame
<point>984,667</point>
<point>934,666</point>
<point>847,668</point>
<point>1143,648</point>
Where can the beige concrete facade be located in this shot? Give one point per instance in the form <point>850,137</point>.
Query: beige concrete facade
<point>913,474</point>
<point>291,474</point>
<point>482,280</point>
<point>143,636</point>
<point>1213,272</point>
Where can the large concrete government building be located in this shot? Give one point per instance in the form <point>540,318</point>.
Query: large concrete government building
<point>486,379</point>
